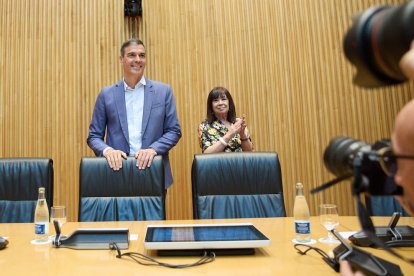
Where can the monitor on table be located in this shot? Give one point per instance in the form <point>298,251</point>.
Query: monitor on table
<point>233,238</point>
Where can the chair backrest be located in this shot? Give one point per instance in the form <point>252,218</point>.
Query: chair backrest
<point>383,206</point>
<point>20,179</point>
<point>237,185</point>
<point>128,194</point>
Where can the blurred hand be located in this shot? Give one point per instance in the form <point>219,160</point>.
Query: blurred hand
<point>347,270</point>
<point>144,158</point>
<point>114,158</point>
<point>407,63</point>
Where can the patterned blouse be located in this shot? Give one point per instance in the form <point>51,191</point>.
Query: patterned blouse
<point>210,134</point>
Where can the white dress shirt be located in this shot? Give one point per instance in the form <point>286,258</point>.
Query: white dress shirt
<point>134,100</point>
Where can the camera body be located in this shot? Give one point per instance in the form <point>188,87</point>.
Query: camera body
<point>342,156</point>
<point>377,40</point>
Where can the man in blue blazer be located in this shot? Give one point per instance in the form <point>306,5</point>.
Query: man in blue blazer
<point>137,114</point>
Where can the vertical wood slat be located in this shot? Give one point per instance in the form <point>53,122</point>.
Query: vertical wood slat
<point>282,61</point>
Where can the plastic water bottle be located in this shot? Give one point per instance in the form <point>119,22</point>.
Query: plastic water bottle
<point>41,218</point>
<point>301,215</point>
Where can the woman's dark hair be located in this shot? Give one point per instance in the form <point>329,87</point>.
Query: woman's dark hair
<point>215,93</point>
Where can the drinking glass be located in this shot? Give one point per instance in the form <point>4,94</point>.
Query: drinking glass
<point>58,213</point>
<point>328,214</point>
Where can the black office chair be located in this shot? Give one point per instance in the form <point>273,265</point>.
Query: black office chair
<point>126,195</point>
<point>20,179</point>
<point>237,185</point>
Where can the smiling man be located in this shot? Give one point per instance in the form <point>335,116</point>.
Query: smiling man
<point>138,116</point>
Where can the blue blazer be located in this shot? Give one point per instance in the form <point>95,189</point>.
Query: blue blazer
<point>160,126</point>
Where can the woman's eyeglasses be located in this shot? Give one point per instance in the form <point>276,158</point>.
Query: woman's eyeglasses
<point>388,160</point>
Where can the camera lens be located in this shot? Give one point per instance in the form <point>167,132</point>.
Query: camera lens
<point>342,151</point>
<point>339,154</point>
<point>376,42</point>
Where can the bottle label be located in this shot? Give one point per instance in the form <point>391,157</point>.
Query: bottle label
<point>302,226</point>
<point>41,228</point>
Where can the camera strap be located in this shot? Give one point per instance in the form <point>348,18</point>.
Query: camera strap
<point>331,183</point>
<point>363,215</point>
<point>368,226</point>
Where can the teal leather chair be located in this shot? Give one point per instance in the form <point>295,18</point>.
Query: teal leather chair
<point>20,179</point>
<point>237,185</point>
<point>129,194</point>
<point>384,206</point>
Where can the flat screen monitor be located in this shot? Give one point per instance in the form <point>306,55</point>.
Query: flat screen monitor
<point>204,236</point>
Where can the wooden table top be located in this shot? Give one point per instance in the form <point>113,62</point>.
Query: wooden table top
<point>280,258</point>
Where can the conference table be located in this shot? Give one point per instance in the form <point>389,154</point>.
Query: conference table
<point>280,258</point>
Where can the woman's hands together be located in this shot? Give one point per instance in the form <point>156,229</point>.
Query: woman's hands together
<point>239,126</point>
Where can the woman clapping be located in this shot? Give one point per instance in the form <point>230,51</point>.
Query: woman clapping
<point>222,131</point>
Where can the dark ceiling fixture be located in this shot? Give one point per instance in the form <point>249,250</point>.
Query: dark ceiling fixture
<point>133,8</point>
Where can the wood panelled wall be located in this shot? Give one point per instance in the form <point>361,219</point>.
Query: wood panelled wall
<point>282,61</point>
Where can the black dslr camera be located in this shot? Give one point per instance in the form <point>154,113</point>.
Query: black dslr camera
<point>377,40</point>
<point>343,154</point>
